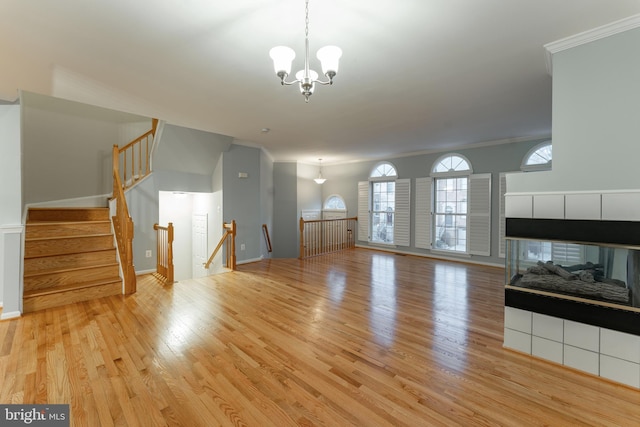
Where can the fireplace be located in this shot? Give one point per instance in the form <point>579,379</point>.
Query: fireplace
<point>581,260</point>
<point>572,287</point>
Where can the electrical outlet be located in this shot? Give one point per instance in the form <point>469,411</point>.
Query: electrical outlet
<point>148,253</point>
<point>242,246</point>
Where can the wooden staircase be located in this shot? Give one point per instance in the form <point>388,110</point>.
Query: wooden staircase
<point>70,256</point>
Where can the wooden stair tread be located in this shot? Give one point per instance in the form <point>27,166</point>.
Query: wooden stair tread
<point>72,287</point>
<point>70,256</point>
<point>37,222</point>
<point>45,272</point>
<point>80,236</point>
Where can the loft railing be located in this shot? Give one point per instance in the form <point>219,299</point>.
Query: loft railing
<point>123,228</point>
<point>228,237</point>
<point>134,159</point>
<point>265,231</point>
<point>323,236</point>
<point>164,251</point>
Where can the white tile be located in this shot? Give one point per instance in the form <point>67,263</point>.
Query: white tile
<point>517,340</point>
<point>582,206</point>
<point>547,327</point>
<point>519,320</point>
<point>621,206</point>
<point>619,344</point>
<point>518,206</point>
<point>547,349</point>
<point>548,206</point>
<point>620,370</point>
<point>584,360</point>
<point>581,335</point>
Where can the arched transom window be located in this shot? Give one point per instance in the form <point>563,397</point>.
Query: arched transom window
<point>451,163</point>
<point>384,170</point>
<point>335,202</point>
<point>538,158</point>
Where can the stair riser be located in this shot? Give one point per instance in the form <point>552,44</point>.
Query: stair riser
<point>65,262</point>
<point>68,214</point>
<point>80,277</point>
<point>36,248</point>
<point>42,302</point>
<point>36,230</point>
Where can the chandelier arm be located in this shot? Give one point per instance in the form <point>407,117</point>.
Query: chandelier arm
<point>328,82</point>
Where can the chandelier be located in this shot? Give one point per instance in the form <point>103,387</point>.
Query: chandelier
<point>283,56</point>
<point>320,179</point>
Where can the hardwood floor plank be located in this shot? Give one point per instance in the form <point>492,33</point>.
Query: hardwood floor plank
<point>357,338</point>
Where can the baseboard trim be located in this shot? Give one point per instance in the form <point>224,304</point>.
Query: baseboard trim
<point>10,315</point>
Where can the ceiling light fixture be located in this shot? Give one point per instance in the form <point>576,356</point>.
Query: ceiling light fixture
<point>320,179</point>
<point>283,56</point>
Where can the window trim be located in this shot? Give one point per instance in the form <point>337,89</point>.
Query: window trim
<point>450,173</point>
<point>538,166</point>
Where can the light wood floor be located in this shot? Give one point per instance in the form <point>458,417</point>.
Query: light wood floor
<point>360,338</point>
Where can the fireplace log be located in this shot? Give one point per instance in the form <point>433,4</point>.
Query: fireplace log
<point>549,265</point>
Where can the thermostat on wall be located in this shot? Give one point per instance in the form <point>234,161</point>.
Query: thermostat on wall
<point>243,175</point>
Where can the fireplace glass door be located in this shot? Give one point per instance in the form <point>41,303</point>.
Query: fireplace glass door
<point>598,273</point>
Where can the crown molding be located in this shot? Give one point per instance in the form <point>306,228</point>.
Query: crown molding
<point>589,36</point>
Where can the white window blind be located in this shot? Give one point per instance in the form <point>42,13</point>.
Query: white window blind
<point>402,225</point>
<point>502,224</point>
<point>363,211</point>
<point>423,213</point>
<point>479,232</point>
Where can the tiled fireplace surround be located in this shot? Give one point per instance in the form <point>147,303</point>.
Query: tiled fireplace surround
<point>603,340</point>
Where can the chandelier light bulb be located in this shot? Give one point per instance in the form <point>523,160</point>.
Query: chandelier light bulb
<point>329,57</point>
<point>282,57</point>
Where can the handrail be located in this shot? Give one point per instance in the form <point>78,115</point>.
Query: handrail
<point>136,164</point>
<point>164,252</point>
<point>229,236</point>
<point>265,231</point>
<point>323,236</point>
<point>123,228</point>
<point>122,222</point>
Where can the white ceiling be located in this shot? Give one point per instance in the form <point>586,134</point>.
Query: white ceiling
<point>416,75</point>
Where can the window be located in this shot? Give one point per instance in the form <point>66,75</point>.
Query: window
<point>383,202</point>
<point>383,207</point>
<point>335,202</point>
<point>450,221</point>
<point>450,213</point>
<point>538,158</point>
<point>453,208</point>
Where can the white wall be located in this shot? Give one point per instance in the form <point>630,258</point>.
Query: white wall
<point>10,212</point>
<point>178,209</point>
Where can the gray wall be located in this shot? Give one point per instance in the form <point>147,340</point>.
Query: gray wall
<point>67,147</point>
<point>285,210</point>
<point>185,160</point>
<point>266,201</point>
<point>241,200</point>
<point>343,180</point>
<point>10,212</point>
<point>596,118</point>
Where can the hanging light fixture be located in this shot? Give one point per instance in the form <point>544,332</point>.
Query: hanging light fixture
<point>320,179</point>
<point>283,56</point>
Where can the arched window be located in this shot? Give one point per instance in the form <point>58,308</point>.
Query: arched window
<point>335,202</point>
<point>450,164</point>
<point>383,170</point>
<point>538,158</point>
<point>450,175</point>
<point>383,202</point>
